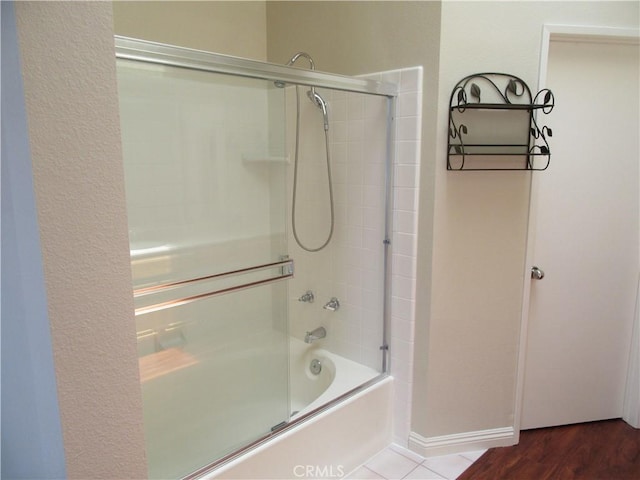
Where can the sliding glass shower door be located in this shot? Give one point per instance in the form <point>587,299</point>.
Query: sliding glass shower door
<point>205,175</point>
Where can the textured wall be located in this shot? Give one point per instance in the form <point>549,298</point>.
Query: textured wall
<point>228,27</point>
<point>71,100</point>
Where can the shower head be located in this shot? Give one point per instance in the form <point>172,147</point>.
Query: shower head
<point>292,60</point>
<point>319,102</point>
<point>315,98</point>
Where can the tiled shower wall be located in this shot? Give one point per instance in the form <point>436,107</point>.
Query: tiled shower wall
<point>351,266</point>
<point>404,241</point>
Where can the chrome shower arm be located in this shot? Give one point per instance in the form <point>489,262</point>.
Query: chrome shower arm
<point>295,58</point>
<point>312,66</point>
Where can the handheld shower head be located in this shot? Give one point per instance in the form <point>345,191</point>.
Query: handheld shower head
<point>319,102</point>
<point>313,96</point>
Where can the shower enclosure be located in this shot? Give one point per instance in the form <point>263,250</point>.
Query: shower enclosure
<point>242,332</point>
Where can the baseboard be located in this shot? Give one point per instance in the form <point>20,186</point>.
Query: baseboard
<point>462,442</point>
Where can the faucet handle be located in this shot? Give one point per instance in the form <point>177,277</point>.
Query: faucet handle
<point>307,297</point>
<point>332,305</point>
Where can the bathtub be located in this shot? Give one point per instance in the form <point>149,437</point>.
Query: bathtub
<point>179,426</point>
<point>338,376</point>
<point>321,441</point>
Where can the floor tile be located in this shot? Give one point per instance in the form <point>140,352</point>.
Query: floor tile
<point>422,473</point>
<point>473,456</point>
<point>363,473</point>
<point>391,465</point>
<point>449,466</point>
<point>406,453</point>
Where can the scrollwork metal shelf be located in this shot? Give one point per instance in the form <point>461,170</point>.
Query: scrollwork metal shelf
<point>497,133</point>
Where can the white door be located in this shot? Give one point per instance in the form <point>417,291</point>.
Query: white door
<point>585,239</point>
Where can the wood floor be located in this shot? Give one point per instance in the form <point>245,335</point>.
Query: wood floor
<point>606,450</point>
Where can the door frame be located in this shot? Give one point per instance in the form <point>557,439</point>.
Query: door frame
<point>552,32</point>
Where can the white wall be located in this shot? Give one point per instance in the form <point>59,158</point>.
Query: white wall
<point>469,342</point>
<point>229,27</point>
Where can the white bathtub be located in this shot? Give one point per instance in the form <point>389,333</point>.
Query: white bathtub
<point>332,441</point>
<point>339,375</point>
<point>324,446</point>
<point>179,425</point>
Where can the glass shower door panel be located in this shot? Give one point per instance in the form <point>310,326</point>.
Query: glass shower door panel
<point>205,183</point>
<point>214,377</point>
<point>204,171</point>
<point>352,267</point>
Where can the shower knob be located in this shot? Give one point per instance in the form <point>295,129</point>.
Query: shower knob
<point>307,297</point>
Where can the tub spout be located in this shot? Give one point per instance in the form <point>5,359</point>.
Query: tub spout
<point>316,334</point>
<point>332,305</point>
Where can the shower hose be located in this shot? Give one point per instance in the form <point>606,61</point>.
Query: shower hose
<point>295,182</point>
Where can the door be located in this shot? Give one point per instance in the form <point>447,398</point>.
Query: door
<point>585,239</point>
<point>207,230</point>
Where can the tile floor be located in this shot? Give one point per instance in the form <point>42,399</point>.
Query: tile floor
<point>395,462</point>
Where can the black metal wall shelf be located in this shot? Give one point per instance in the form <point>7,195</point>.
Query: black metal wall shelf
<point>500,133</point>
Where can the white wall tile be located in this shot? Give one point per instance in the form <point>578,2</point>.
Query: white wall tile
<point>392,76</point>
<point>411,79</point>
<point>405,198</point>
<point>405,221</point>
<point>406,176</point>
<point>404,265</point>
<point>402,308</point>
<point>407,152</point>
<point>355,151</point>
<point>408,105</point>
<point>403,329</point>
<point>404,244</point>
<point>338,110</point>
<point>407,128</point>
<point>355,106</point>
<point>403,287</point>
<point>339,131</point>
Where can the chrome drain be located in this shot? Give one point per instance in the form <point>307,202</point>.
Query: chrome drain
<point>316,366</point>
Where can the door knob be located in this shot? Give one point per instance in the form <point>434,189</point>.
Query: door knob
<point>536,273</point>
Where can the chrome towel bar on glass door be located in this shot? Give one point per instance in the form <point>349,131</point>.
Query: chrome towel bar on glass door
<point>286,271</point>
